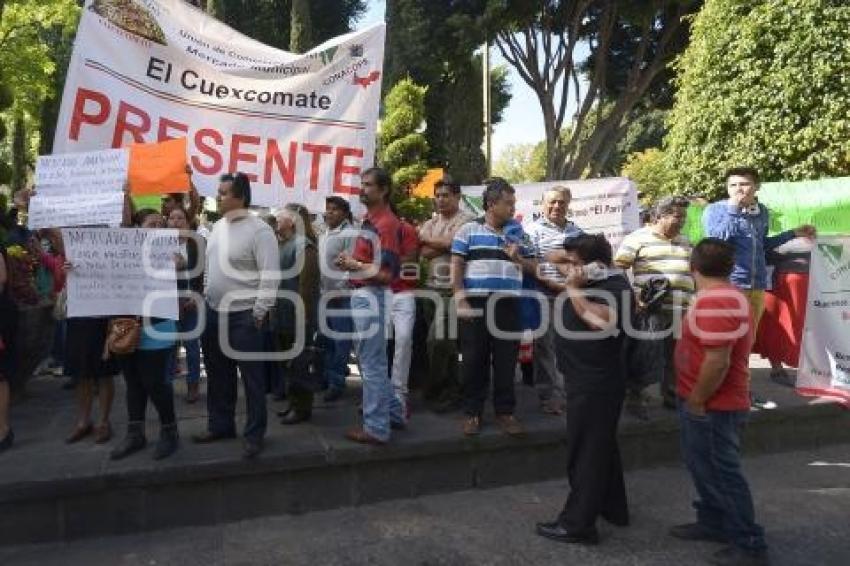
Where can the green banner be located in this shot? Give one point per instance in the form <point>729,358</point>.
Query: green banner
<point>825,204</point>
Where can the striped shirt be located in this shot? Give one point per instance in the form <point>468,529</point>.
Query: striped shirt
<point>650,256</point>
<point>546,237</point>
<point>488,267</point>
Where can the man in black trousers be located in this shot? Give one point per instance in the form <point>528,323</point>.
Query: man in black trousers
<point>594,302</point>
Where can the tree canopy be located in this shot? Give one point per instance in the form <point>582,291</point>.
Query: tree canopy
<point>763,83</point>
<point>620,50</point>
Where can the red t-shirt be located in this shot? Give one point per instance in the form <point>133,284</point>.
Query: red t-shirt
<point>718,317</point>
<point>385,229</point>
<point>408,276</point>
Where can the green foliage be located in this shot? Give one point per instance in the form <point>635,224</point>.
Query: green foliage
<point>415,209</point>
<point>269,21</point>
<point>29,70</point>
<point>650,171</point>
<point>403,147</point>
<point>522,163</point>
<point>434,42</point>
<point>763,83</point>
<point>24,53</point>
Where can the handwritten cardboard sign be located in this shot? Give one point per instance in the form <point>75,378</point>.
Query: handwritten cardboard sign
<point>74,189</point>
<point>122,271</point>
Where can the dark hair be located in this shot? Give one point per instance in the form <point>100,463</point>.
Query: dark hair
<point>449,183</point>
<point>668,205</point>
<point>341,204</point>
<point>590,248</point>
<point>751,172</point>
<point>304,214</point>
<point>141,215</point>
<point>382,179</point>
<point>240,186</point>
<point>713,257</point>
<point>494,189</point>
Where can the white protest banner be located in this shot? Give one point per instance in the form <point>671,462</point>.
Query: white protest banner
<point>121,271</point>
<point>608,206</point>
<point>77,189</point>
<point>825,353</point>
<point>302,127</point>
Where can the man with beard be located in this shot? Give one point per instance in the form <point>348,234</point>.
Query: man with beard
<point>373,266</point>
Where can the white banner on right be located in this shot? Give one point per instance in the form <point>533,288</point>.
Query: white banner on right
<point>825,362</point>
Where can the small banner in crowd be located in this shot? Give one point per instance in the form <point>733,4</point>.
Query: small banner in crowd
<point>158,168</point>
<point>608,206</point>
<point>118,270</point>
<point>77,189</point>
<point>301,126</point>
<point>825,360</point>
<point>824,204</point>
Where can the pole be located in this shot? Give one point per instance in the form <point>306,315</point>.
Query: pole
<point>488,127</point>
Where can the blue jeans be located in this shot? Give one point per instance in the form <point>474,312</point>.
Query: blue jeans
<point>368,309</point>
<point>712,451</point>
<point>244,336</point>
<point>337,350</point>
<point>187,323</point>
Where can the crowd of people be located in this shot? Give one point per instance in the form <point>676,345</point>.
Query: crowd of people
<point>321,292</point>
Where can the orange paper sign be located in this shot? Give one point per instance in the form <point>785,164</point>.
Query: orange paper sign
<point>158,168</point>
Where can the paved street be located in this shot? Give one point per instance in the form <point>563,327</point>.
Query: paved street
<point>803,499</point>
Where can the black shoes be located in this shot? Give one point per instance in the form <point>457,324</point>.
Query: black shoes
<point>167,444</point>
<point>333,394</point>
<point>556,531</point>
<point>133,442</point>
<point>207,437</point>
<point>696,532</point>
<point>251,449</point>
<point>7,441</point>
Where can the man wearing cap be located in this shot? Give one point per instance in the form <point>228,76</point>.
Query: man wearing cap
<point>435,239</point>
<point>549,233</point>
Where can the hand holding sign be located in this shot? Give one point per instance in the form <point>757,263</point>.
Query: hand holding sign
<point>158,168</point>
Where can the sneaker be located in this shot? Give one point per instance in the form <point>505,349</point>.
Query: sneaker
<point>757,403</point>
<point>696,531</point>
<point>472,426</point>
<point>736,556</point>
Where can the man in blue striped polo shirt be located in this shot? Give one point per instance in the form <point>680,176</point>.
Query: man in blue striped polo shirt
<point>487,265</point>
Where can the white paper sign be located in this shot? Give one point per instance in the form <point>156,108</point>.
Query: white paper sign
<point>122,271</point>
<point>825,352</point>
<point>608,206</point>
<point>301,126</point>
<point>78,189</point>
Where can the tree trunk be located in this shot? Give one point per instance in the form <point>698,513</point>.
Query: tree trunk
<point>301,29</point>
<point>19,152</point>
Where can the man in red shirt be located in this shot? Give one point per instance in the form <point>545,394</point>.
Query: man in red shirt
<point>373,266</point>
<point>714,402</point>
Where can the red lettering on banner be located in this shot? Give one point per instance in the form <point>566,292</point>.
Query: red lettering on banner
<point>340,169</point>
<point>286,170</point>
<point>165,124</point>
<point>79,117</point>
<point>122,126</point>
<point>207,150</point>
<point>317,150</point>
<point>236,156</point>
<point>213,152</point>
